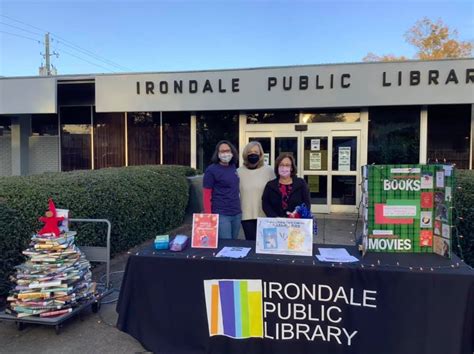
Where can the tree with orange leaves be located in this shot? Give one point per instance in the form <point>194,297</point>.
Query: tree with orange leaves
<point>434,40</point>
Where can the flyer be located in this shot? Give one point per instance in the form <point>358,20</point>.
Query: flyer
<point>314,160</point>
<point>205,230</point>
<point>344,159</point>
<point>285,236</point>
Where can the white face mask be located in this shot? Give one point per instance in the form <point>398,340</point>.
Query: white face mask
<point>225,157</point>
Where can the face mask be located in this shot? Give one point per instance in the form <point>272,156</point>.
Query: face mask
<point>225,157</point>
<point>253,158</point>
<point>284,171</point>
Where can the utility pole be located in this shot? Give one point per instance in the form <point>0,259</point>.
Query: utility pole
<point>46,70</point>
<point>46,48</point>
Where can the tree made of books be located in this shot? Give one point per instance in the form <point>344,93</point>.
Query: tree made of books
<point>56,276</point>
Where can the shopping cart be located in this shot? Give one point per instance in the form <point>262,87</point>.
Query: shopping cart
<point>93,254</point>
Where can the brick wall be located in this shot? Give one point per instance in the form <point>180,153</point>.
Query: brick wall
<point>5,156</point>
<point>43,154</point>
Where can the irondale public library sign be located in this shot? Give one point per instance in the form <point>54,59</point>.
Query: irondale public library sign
<point>339,85</point>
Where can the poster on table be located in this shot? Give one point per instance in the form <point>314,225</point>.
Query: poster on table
<point>285,236</point>
<point>205,230</point>
<point>409,208</point>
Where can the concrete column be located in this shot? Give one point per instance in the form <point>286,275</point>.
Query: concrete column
<point>21,131</point>
<point>423,135</point>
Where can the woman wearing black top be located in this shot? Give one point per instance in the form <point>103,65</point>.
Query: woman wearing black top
<point>283,194</point>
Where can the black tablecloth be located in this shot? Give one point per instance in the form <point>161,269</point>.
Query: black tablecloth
<point>416,303</point>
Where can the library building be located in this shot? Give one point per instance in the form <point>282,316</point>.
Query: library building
<point>333,118</point>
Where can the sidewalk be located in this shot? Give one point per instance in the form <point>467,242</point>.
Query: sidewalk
<point>96,332</point>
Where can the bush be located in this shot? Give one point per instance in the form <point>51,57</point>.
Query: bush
<point>464,204</point>
<point>139,201</point>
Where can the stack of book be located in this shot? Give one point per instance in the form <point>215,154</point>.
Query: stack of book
<point>55,278</point>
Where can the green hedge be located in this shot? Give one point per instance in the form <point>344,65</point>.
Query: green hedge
<point>140,202</point>
<point>464,206</point>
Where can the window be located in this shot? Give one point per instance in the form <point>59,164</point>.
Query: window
<point>109,140</point>
<point>5,126</point>
<point>75,138</point>
<point>394,135</point>
<point>211,128</point>
<point>176,138</point>
<point>273,117</point>
<point>143,138</point>
<point>449,130</point>
<point>44,125</point>
<point>332,116</point>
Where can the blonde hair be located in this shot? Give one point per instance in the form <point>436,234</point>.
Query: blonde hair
<point>247,150</point>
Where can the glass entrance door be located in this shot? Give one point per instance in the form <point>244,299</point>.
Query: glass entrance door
<point>329,162</point>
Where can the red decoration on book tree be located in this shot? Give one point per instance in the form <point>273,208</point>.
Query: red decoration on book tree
<point>51,221</point>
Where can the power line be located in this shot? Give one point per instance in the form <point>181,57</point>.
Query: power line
<point>75,56</point>
<point>21,36</point>
<point>22,29</point>
<point>11,18</point>
<point>85,51</point>
<point>75,46</point>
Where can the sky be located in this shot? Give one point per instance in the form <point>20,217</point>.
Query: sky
<point>105,36</point>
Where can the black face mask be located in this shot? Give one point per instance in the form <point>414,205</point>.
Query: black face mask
<point>253,158</point>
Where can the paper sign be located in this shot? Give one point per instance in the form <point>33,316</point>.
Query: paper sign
<point>382,232</point>
<point>448,170</point>
<point>266,158</point>
<point>427,181</point>
<point>405,170</point>
<point>440,179</point>
<point>446,230</point>
<point>399,210</point>
<point>285,236</point>
<point>426,219</point>
<point>380,219</point>
<point>314,160</point>
<point>437,227</point>
<point>426,200</point>
<point>313,184</point>
<point>344,158</point>
<point>441,246</point>
<point>205,230</point>
<point>426,238</point>
<point>315,144</point>
<point>447,194</point>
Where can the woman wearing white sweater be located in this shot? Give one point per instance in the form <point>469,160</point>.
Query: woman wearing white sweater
<point>254,175</point>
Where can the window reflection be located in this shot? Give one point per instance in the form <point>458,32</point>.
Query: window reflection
<point>394,135</point>
<point>211,128</point>
<point>449,142</point>
<point>143,138</point>
<point>332,116</point>
<point>75,138</point>
<point>273,117</point>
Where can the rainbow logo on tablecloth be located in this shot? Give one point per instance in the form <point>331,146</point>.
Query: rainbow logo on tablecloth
<point>234,307</point>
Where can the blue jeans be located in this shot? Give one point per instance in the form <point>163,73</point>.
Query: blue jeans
<point>229,226</point>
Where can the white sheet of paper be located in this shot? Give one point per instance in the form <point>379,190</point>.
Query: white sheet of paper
<point>315,144</point>
<point>335,255</point>
<point>440,179</point>
<point>314,160</point>
<point>344,158</point>
<point>234,252</point>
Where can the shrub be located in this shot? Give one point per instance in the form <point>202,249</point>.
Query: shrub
<point>139,201</point>
<point>464,206</point>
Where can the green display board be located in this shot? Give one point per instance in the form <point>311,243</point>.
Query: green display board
<point>408,208</point>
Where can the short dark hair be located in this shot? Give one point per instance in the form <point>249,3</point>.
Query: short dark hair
<point>280,159</point>
<point>235,154</point>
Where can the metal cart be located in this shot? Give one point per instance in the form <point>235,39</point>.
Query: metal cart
<point>93,254</point>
